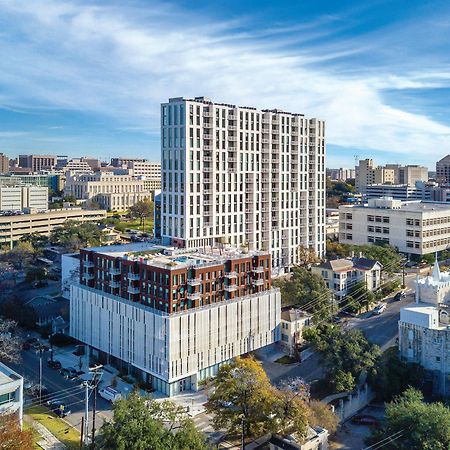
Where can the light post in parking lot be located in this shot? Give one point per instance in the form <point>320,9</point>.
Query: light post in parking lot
<point>41,350</point>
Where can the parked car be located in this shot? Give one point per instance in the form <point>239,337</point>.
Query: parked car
<point>379,309</point>
<point>399,296</point>
<point>365,419</point>
<point>40,284</point>
<point>59,408</point>
<point>69,372</point>
<point>54,364</point>
<point>110,394</point>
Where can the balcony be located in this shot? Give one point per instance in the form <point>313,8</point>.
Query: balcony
<point>114,284</point>
<point>232,169</point>
<point>207,191</point>
<point>207,169</point>
<point>232,148</point>
<point>232,127</point>
<point>133,290</point>
<point>232,117</point>
<point>207,147</point>
<point>134,276</point>
<point>265,141</point>
<point>88,264</point>
<point>88,276</point>
<point>194,296</point>
<point>194,281</point>
<point>231,275</point>
<point>230,288</point>
<point>232,159</point>
<point>114,271</point>
<point>207,202</point>
<point>208,114</point>
<point>232,138</point>
<point>258,282</point>
<point>207,136</point>
<point>258,269</point>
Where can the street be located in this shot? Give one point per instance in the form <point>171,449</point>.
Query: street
<point>69,391</point>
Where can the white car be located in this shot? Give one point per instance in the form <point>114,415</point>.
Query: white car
<point>380,309</point>
<point>110,394</point>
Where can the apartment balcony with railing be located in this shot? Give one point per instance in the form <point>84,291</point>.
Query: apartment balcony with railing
<point>194,281</point>
<point>258,282</point>
<point>194,296</point>
<point>114,271</point>
<point>133,290</point>
<point>134,276</point>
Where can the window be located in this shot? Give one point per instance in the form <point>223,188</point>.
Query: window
<point>370,229</point>
<point>6,398</point>
<point>284,337</point>
<point>409,222</point>
<point>370,218</point>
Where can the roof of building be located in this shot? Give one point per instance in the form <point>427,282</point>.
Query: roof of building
<point>344,264</point>
<point>292,315</point>
<point>45,306</point>
<point>408,206</point>
<point>7,375</point>
<point>445,159</point>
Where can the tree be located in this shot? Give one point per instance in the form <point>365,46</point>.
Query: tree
<point>303,288</point>
<point>14,309</point>
<point>413,424</point>
<point>142,209</point>
<point>390,376</point>
<point>12,437</point>
<point>34,273</point>
<point>20,255</point>
<point>38,241</point>
<point>306,256</point>
<point>140,424</point>
<point>241,398</point>
<point>10,345</point>
<point>74,235</point>
<point>359,296</point>
<point>322,415</point>
<point>346,354</point>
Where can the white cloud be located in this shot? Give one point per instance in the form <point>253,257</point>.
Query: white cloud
<point>124,62</point>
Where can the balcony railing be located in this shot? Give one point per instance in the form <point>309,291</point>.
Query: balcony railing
<point>230,288</point>
<point>231,274</point>
<point>133,290</point>
<point>194,281</point>
<point>134,276</point>
<point>115,284</point>
<point>194,296</point>
<point>114,271</point>
<point>88,264</point>
<point>258,269</point>
<point>258,282</point>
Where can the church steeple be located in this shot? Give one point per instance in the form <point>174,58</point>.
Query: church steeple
<point>436,274</point>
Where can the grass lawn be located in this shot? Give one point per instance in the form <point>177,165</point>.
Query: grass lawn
<point>286,360</point>
<point>36,435</point>
<point>58,427</point>
<point>135,224</point>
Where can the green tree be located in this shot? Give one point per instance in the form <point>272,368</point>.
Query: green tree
<point>38,241</point>
<point>359,297</point>
<point>390,376</point>
<point>74,235</point>
<point>414,424</point>
<point>140,424</point>
<point>34,273</point>
<point>345,353</point>
<point>20,255</point>
<point>322,415</point>
<point>305,288</point>
<point>142,209</point>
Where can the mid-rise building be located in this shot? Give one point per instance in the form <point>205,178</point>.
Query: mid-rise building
<point>293,322</point>
<point>78,166</point>
<point>11,392</point>
<point>4,164</point>
<point>443,170</point>
<point>412,227</point>
<point>424,329</point>
<point>340,275</point>
<point>172,317</point>
<point>20,197</point>
<point>405,192</point>
<point>341,174</point>
<point>253,178</point>
<point>52,181</point>
<point>36,163</point>
<point>13,228</point>
<point>120,162</point>
<point>111,191</point>
<point>150,172</point>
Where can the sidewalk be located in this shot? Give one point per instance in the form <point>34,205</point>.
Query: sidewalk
<point>193,401</point>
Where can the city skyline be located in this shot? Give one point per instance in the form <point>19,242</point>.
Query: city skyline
<point>88,79</point>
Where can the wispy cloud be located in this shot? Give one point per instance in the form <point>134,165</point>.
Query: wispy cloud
<point>122,62</point>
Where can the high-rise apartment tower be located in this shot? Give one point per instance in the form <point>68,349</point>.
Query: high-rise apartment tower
<point>251,178</point>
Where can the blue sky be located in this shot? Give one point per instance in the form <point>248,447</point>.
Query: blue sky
<point>87,77</point>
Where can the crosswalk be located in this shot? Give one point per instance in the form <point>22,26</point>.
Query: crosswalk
<point>203,423</point>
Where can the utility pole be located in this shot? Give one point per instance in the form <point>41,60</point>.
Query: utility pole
<point>243,433</point>
<point>86,412</point>
<point>82,431</point>
<point>96,380</point>
<point>41,351</point>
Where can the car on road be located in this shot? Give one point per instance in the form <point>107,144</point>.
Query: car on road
<point>59,408</point>
<point>69,372</point>
<point>399,296</point>
<point>110,394</point>
<point>40,284</point>
<point>365,419</point>
<point>53,364</point>
<point>379,309</point>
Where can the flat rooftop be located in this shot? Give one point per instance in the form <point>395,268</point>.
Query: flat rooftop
<point>409,206</point>
<point>172,257</point>
<point>7,375</point>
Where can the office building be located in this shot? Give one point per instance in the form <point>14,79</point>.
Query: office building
<point>172,317</point>
<point>52,181</point>
<point>368,174</point>
<point>424,329</point>
<point>11,392</point>
<point>20,197</point>
<point>36,163</point>
<point>111,191</point>
<point>443,170</point>
<point>79,166</point>
<point>252,178</point>
<point>416,227</point>
<point>405,192</point>
<point>13,228</point>
<point>120,162</point>
<point>340,275</point>
<point>4,164</point>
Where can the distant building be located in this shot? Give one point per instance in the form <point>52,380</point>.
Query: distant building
<point>424,329</point>
<point>37,162</point>
<point>173,317</point>
<point>112,192</point>
<point>443,170</point>
<point>21,197</point>
<point>79,166</point>
<point>4,164</point>
<point>341,174</point>
<point>293,322</point>
<point>405,192</point>
<point>52,181</point>
<point>13,228</point>
<point>47,309</point>
<point>340,275</point>
<point>11,392</point>
<point>332,223</point>
<point>368,174</point>
<point>119,162</point>
<point>412,227</point>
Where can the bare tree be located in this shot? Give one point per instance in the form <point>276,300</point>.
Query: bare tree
<point>10,345</point>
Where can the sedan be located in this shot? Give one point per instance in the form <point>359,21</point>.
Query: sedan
<point>362,419</point>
